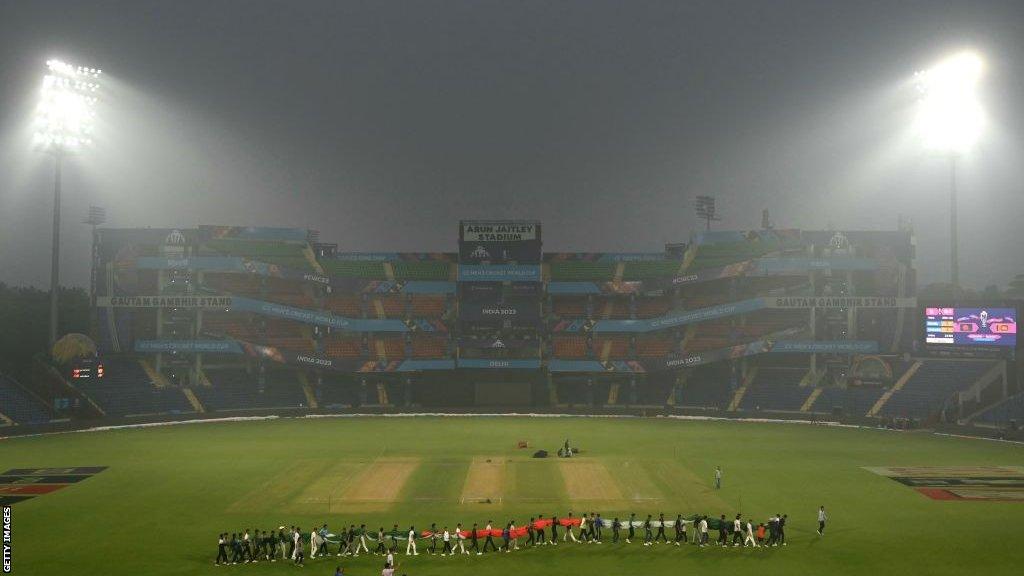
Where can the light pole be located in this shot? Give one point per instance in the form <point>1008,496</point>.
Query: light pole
<point>949,121</point>
<point>63,124</point>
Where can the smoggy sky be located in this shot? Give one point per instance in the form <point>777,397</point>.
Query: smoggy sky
<point>382,123</point>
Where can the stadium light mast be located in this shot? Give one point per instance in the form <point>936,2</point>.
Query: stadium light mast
<point>949,120</point>
<point>63,125</point>
<point>705,208</point>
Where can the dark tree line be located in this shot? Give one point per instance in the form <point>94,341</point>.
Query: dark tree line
<point>25,321</point>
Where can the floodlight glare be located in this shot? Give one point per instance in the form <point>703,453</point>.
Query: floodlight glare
<point>63,124</point>
<point>67,107</point>
<point>950,118</point>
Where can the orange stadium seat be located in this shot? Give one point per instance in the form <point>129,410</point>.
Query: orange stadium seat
<point>429,347</point>
<point>343,348</point>
<point>427,306</point>
<point>349,306</point>
<point>570,347</point>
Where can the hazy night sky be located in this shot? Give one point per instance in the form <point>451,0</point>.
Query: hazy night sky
<point>382,123</point>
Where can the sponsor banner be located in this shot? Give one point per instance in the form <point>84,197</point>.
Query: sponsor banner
<point>193,346</point>
<point>197,301</point>
<point>428,287</point>
<point>841,302</point>
<point>627,366</point>
<point>526,252</point>
<point>730,271</point>
<point>394,256</point>
<point>499,231</point>
<point>826,346</point>
<point>769,266</point>
<point>206,263</point>
<point>255,233</point>
<point>606,257</point>
<point>317,317</point>
<point>499,363</point>
<point>472,311</point>
<point>418,365</point>
<point>573,288</point>
<point>732,352</point>
<point>499,343</point>
<point>499,273</point>
<point>672,320</point>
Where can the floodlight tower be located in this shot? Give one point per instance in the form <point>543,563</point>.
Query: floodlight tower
<point>64,121</point>
<point>705,209</point>
<point>950,119</point>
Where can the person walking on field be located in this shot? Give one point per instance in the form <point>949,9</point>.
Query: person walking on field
<point>410,547</point>
<point>568,531</point>
<point>737,531</point>
<point>661,529</point>
<point>822,517</point>
<point>632,527</point>
<point>718,477</point>
<point>474,542</point>
<point>489,541</point>
<point>447,538</point>
<point>460,539</point>
<point>680,529</point>
<point>554,531</point>
<point>750,535</point>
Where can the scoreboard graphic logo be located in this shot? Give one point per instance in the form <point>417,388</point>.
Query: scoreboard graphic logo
<point>978,483</point>
<point>20,484</point>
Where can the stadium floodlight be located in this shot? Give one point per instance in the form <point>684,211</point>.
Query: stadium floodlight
<point>950,120</point>
<point>705,209</point>
<point>950,116</point>
<point>63,124</point>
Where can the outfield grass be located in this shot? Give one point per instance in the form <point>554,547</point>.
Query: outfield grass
<point>170,490</point>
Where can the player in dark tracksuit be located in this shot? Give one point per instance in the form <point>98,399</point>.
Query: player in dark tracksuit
<point>554,531</point>
<point>433,538</point>
<point>632,529</point>
<point>680,529</point>
<point>723,532</point>
<point>540,532</point>
<point>616,525</point>
<point>782,529</point>
<point>661,529</point>
<point>475,545</point>
<point>236,549</point>
<point>598,524</point>
<point>648,534</point>
<point>530,541</point>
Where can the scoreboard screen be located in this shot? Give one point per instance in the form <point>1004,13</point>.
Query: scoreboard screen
<point>971,326</point>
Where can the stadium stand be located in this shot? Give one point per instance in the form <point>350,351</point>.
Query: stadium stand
<point>1003,413</point>
<point>127,390</point>
<point>19,405</point>
<point>235,389</point>
<point>932,386</point>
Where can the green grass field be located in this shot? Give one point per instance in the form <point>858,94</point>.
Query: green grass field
<point>170,490</point>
